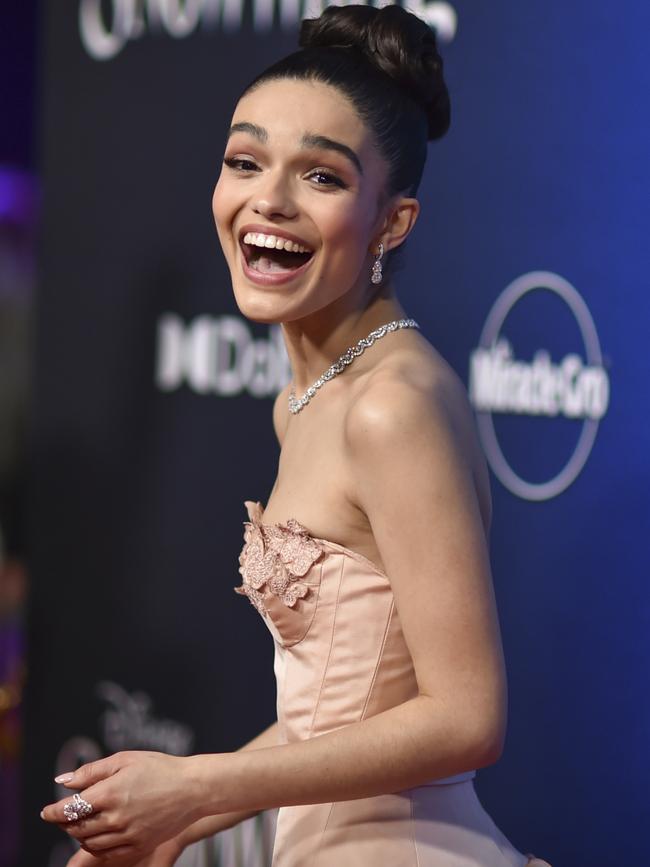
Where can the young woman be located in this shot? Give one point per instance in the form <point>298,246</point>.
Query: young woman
<point>370,562</point>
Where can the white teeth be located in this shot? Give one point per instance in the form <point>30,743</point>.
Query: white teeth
<point>258,239</point>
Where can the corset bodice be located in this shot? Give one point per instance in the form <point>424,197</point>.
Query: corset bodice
<point>340,654</point>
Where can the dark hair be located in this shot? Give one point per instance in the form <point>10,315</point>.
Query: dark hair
<point>385,61</point>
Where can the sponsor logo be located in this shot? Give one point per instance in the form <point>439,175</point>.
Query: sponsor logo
<point>127,723</point>
<point>219,355</point>
<point>573,388</point>
<point>107,26</point>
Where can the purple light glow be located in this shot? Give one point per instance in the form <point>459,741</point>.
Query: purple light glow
<point>18,197</point>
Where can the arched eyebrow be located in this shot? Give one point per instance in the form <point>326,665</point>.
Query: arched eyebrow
<point>314,140</point>
<point>309,140</point>
<point>253,129</point>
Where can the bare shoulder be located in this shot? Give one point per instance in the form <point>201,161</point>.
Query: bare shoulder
<point>414,390</point>
<point>281,413</point>
<point>415,405</point>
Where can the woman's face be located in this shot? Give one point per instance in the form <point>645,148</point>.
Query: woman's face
<point>297,204</point>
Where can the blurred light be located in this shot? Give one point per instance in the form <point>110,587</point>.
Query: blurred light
<point>18,196</point>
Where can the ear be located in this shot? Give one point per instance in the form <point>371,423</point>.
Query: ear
<point>398,222</point>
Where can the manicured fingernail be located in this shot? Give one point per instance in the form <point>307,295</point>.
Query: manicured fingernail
<point>62,779</point>
<point>42,814</point>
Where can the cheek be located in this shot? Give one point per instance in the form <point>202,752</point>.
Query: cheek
<point>223,209</point>
<point>346,231</point>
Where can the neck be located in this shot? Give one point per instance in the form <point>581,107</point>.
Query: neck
<point>316,341</point>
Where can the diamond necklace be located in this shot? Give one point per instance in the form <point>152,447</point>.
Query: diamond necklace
<point>296,404</point>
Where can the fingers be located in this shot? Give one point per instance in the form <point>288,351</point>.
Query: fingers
<point>86,777</point>
<point>82,859</point>
<point>122,856</point>
<point>101,842</point>
<point>100,797</point>
<point>91,773</point>
<point>84,829</point>
<point>166,855</point>
<point>97,834</point>
<point>58,813</point>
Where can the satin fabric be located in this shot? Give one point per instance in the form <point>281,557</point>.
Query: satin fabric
<point>341,657</point>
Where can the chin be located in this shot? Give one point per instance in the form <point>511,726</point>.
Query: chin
<point>262,307</point>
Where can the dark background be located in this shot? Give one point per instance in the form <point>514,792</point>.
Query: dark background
<point>19,41</point>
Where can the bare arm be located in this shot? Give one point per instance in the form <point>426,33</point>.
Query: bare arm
<point>414,482</point>
<point>211,825</point>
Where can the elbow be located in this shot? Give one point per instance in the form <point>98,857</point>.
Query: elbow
<point>486,729</point>
<point>475,735</point>
<point>488,752</point>
<point>485,742</point>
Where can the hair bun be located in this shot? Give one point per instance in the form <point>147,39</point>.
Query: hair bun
<point>395,41</point>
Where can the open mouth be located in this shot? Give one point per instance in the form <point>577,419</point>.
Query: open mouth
<point>272,254</point>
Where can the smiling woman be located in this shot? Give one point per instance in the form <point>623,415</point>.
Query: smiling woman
<point>273,254</point>
<point>311,176</point>
<point>370,563</point>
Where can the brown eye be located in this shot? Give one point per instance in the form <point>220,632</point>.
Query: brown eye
<point>326,179</point>
<point>239,164</point>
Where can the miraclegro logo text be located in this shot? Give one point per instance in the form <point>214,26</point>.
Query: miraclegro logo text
<point>106,26</point>
<point>499,383</point>
<point>219,355</point>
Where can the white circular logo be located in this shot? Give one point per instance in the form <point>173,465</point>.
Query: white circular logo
<point>500,383</point>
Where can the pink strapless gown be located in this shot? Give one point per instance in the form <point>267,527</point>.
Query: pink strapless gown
<point>340,656</point>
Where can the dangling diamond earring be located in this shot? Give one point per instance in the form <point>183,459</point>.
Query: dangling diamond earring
<point>377,274</point>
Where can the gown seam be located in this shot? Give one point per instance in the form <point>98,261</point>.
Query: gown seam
<point>314,862</point>
<point>329,653</point>
<point>378,660</point>
<point>413,835</point>
<point>335,547</point>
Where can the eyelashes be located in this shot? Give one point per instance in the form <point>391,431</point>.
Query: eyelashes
<point>331,180</point>
<point>245,166</point>
<point>239,164</point>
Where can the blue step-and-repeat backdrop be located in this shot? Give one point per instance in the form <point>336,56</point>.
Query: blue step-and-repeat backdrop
<point>528,270</point>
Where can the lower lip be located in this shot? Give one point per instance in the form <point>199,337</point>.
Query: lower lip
<point>276,279</point>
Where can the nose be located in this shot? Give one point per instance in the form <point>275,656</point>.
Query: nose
<point>273,198</point>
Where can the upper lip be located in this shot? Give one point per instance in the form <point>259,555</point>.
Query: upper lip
<point>274,230</point>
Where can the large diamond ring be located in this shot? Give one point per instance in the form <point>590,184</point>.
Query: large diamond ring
<point>77,808</point>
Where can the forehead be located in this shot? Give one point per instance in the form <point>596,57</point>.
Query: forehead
<point>288,109</point>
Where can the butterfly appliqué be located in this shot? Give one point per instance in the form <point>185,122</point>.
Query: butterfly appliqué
<point>274,559</point>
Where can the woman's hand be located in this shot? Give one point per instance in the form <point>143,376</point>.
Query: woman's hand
<point>165,855</point>
<point>139,800</point>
